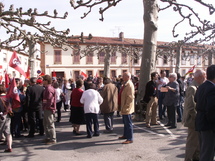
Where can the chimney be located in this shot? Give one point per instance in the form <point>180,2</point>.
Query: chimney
<point>121,36</point>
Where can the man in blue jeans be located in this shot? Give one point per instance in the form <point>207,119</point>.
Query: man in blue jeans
<point>126,96</point>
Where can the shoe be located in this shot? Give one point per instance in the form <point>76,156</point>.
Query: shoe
<point>118,115</point>
<point>122,137</point>
<point>167,125</point>
<point>45,140</point>
<point>172,127</point>
<point>77,133</point>
<point>179,120</point>
<point>156,123</point>
<point>74,132</point>
<point>8,150</point>
<point>127,142</point>
<point>50,142</point>
<point>96,134</point>
<point>148,126</point>
<point>29,136</point>
<point>4,143</point>
<point>88,136</point>
<point>19,136</point>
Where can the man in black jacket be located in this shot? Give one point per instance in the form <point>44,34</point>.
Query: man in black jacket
<point>34,97</point>
<point>151,99</point>
<point>205,119</point>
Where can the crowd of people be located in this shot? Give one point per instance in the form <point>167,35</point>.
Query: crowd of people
<point>175,98</point>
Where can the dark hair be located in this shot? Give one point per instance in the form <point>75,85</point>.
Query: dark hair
<point>2,89</point>
<point>178,75</point>
<point>47,78</point>
<point>55,85</point>
<point>79,83</point>
<point>211,72</point>
<point>92,86</point>
<point>106,80</point>
<point>162,71</point>
<point>33,79</point>
<point>136,78</point>
<point>153,74</point>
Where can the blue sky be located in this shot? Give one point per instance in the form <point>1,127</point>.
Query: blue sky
<point>126,17</point>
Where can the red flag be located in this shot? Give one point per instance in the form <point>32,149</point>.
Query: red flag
<point>190,70</point>
<point>13,93</point>
<point>15,63</point>
<point>7,80</point>
<point>84,75</point>
<point>28,73</point>
<point>42,74</point>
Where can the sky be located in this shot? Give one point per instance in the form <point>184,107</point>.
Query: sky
<point>126,17</point>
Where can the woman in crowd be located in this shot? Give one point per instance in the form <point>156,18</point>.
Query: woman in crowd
<point>59,92</point>
<point>5,120</point>
<point>77,109</point>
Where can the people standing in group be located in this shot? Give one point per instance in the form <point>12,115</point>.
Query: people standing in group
<point>34,97</point>
<point>126,96</point>
<point>59,92</point>
<point>91,100</point>
<point>77,108</point>
<point>205,118</point>
<point>5,120</point>
<point>162,81</point>
<point>189,115</point>
<point>49,108</point>
<point>189,79</point>
<point>119,86</point>
<point>171,100</point>
<point>109,94</point>
<point>150,98</point>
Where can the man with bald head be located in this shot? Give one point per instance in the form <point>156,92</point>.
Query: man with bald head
<point>126,96</point>
<point>189,116</point>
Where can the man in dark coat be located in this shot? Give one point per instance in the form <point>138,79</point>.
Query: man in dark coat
<point>205,118</point>
<point>34,97</point>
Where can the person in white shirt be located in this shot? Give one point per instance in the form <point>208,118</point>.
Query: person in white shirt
<point>58,100</point>
<point>163,80</point>
<point>91,100</point>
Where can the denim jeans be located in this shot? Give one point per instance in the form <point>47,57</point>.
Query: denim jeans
<point>128,127</point>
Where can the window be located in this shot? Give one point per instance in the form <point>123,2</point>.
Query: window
<point>76,74</point>
<point>135,59</point>
<point>113,58</point>
<point>101,73</point>
<point>101,57</point>
<point>113,73</point>
<point>199,60</point>
<point>164,59</point>
<point>183,72</point>
<point>183,61</point>
<point>76,56</point>
<point>191,60</point>
<point>26,61</point>
<point>89,58</point>
<point>57,57</point>
<point>90,73</point>
<point>124,58</point>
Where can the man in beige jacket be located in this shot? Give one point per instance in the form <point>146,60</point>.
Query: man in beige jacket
<point>189,115</point>
<point>126,96</point>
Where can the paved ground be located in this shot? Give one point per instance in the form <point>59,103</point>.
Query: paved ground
<point>155,144</point>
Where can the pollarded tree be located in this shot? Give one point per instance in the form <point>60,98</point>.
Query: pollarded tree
<point>19,24</point>
<point>201,27</point>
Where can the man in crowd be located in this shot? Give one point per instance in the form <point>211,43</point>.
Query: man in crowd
<point>150,98</point>
<point>34,96</point>
<point>189,116</point>
<point>205,118</point>
<point>110,96</point>
<point>49,107</point>
<point>126,95</point>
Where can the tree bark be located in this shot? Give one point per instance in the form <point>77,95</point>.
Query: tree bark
<point>150,44</point>
<point>107,64</point>
<point>178,58</point>
<point>31,59</point>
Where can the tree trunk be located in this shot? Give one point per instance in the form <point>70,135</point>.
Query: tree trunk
<point>31,59</point>
<point>148,64</point>
<point>107,64</point>
<point>178,58</point>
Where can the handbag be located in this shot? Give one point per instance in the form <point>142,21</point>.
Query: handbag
<point>63,97</point>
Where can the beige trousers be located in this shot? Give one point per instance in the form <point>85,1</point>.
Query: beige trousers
<point>151,111</point>
<point>49,127</point>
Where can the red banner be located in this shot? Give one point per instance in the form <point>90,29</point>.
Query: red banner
<point>15,63</point>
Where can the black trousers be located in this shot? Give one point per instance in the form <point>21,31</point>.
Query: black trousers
<point>59,105</point>
<point>34,115</point>
<point>92,118</point>
<point>171,112</point>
